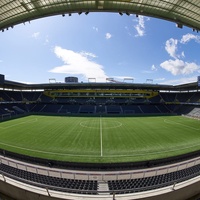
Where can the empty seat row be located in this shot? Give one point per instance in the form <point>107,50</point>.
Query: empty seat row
<point>61,184</point>
<point>147,183</point>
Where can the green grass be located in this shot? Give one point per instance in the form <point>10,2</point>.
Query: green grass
<point>100,139</point>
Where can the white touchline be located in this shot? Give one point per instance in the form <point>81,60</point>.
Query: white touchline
<point>101,137</point>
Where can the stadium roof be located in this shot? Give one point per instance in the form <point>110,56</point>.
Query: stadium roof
<point>92,85</point>
<point>183,12</point>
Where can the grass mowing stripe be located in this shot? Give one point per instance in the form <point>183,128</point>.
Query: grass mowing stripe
<point>172,122</point>
<point>121,139</point>
<point>17,124</point>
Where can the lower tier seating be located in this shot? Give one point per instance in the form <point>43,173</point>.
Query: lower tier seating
<point>91,186</point>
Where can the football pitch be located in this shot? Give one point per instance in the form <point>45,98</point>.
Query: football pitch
<point>100,139</point>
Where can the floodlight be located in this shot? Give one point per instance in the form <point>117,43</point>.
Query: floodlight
<point>79,13</point>
<point>121,13</point>
<point>70,14</point>
<point>127,13</point>
<point>63,15</point>
<point>87,13</point>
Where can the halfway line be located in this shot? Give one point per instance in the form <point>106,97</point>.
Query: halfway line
<point>101,136</point>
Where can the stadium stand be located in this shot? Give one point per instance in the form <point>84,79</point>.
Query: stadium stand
<point>87,109</point>
<point>60,184</point>
<point>112,109</point>
<point>194,113</point>
<point>16,101</point>
<point>19,103</point>
<point>121,186</point>
<point>143,184</point>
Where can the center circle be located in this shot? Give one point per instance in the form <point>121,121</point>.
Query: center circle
<point>103,124</point>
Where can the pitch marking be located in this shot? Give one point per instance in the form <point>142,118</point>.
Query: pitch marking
<point>134,154</point>
<point>31,121</point>
<point>172,122</point>
<point>118,124</point>
<point>47,152</point>
<point>101,137</point>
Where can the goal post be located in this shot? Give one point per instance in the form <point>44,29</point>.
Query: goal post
<point>6,116</point>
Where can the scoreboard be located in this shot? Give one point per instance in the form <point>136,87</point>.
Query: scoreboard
<point>1,79</point>
<point>198,81</point>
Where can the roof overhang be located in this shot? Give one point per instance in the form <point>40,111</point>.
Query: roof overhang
<point>183,12</point>
<point>11,85</point>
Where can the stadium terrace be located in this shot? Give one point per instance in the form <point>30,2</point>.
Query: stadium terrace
<point>99,141</point>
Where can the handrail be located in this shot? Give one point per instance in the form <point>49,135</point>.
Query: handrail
<point>112,176</point>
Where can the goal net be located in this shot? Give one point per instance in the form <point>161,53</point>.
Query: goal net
<point>5,116</point>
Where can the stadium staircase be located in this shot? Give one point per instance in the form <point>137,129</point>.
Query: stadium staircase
<point>194,113</point>
<point>94,187</point>
<point>19,110</point>
<point>158,109</point>
<point>103,186</point>
<point>60,109</point>
<point>140,109</point>
<point>42,108</point>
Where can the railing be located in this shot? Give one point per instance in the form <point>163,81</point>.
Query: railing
<point>99,176</point>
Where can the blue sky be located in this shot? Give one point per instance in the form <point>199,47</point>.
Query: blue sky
<point>97,46</point>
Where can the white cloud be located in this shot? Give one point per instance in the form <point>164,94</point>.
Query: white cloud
<point>123,77</point>
<point>88,54</point>
<point>35,35</point>
<point>147,71</point>
<point>159,79</point>
<point>186,38</point>
<point>183,54</point>
<point>128,31</point>
<point>78,64</point>
<point>140,26</point>
<point>25,82</point>
<point>154,68</point>
<point>181,81</point>
<point>95,28</point>
<point>47,39</point>
<point>171,47</point>
<point>177,67</point>
<point>108,36</point>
